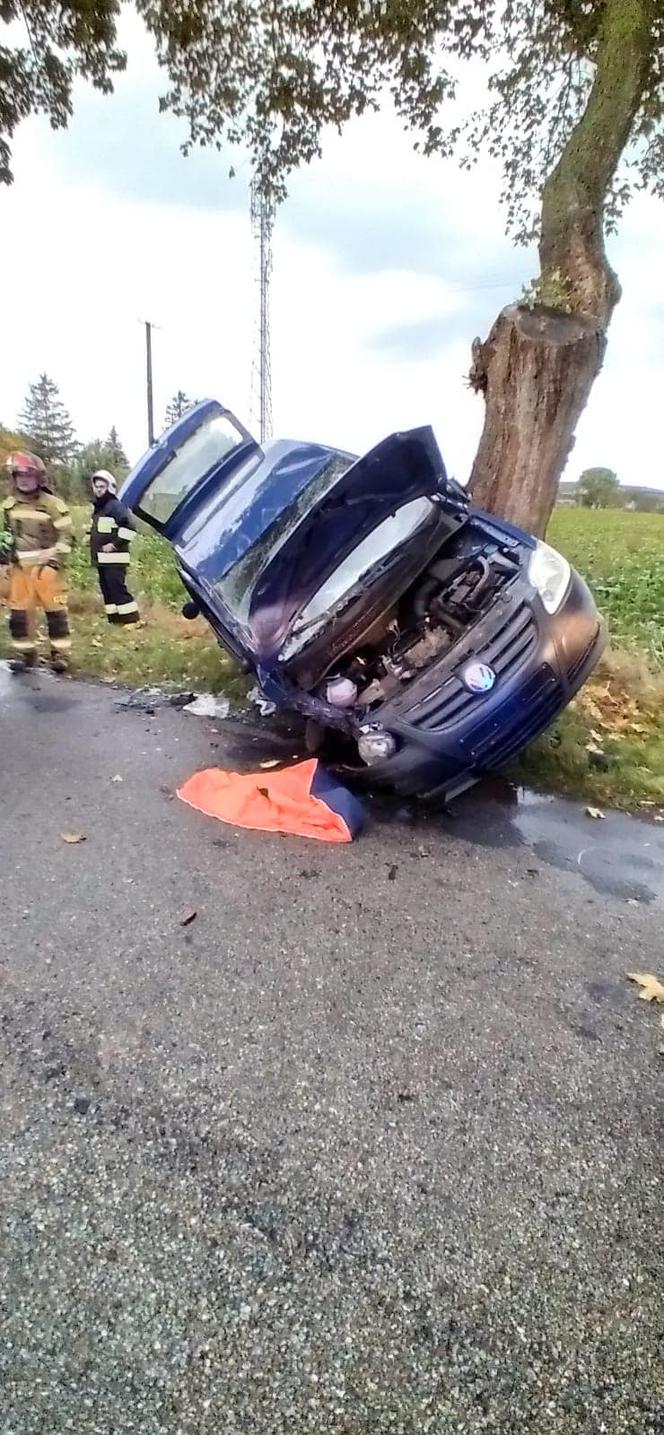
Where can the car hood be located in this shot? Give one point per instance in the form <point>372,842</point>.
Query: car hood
<point>401,468</point>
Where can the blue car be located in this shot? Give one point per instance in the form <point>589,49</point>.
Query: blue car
<point>424,642</point>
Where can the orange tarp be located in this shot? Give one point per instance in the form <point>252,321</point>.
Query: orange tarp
<point>280,801</point>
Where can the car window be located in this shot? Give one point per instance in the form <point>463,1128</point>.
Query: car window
<point>236,587</point>
<point>196,456</point>
<point>389,534</point>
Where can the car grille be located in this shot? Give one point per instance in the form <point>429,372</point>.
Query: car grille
<point>496,741</point>
<point>504,651</point>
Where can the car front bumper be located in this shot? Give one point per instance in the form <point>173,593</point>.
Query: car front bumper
<point>447,736</point>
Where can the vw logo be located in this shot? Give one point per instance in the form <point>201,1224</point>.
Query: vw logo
<point>478,677</point>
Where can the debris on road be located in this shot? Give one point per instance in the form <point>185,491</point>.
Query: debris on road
<point>652,989</point>
<point>188,918</point>
<point>207,705</point>
<point>73,837</point>
<point>303,800</point>
<point>150,698</point>
<point>595,813</point>
<point>265,707</point>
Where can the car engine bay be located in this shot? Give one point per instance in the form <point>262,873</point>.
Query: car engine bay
<point>454,592</point>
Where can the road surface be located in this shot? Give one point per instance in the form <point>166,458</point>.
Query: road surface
<point>372,1144</point>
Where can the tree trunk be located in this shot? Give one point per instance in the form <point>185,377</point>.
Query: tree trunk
<point>536,371</point>
<point>538,365</point>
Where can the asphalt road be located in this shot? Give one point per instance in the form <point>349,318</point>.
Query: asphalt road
<point>372,1144</point>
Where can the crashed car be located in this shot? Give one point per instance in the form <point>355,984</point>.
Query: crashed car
<point>430,641</point>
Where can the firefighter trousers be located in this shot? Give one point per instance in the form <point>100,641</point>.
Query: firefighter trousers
<point>119,605</point>
<point>38,587</point>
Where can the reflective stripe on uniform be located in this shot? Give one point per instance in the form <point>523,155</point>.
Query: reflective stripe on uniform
<point>112,558</point>
<point>127,608</point>
<point>60,645</point>
<point>110,607</point>
<point>35,555</point>
<point>126,534</point>
<point>21,511</point>
<point>106,525</point>
<point>24,645</point>
<point>63,525</point>
<point>62,547</point>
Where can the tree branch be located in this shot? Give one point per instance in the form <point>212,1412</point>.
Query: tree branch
<point>572,252</point>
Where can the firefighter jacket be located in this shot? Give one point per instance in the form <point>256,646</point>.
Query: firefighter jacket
<point>112,524</point>
<point>36,529</point>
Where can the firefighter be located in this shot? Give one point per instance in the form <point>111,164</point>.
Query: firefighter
<point>111,533</point>
<point>35,540</point>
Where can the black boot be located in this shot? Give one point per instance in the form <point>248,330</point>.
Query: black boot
<point>23,664</point>
<point>59,663</point>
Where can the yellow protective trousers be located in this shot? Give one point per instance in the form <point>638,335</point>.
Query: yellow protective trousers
<point>32,587</point>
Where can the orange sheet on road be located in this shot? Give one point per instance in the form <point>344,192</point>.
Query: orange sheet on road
<point>302,800</point>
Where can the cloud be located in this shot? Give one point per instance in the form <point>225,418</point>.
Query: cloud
<point>122,146</point>
<point>419,340</point>
<point>377,205</point>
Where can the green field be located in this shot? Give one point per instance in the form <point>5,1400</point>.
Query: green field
<point>620,554</point>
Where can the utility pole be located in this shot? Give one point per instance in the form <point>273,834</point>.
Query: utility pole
<point>262,223</point>
<point>148,369</point>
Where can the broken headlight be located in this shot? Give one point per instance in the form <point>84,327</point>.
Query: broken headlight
<point>375,745</point>
<point>549,574</point>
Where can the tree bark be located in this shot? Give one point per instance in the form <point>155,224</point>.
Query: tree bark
<point>538,365</point>
<point>536,370</point>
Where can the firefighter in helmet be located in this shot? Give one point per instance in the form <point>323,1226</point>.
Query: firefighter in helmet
<point>35,540</point>
<point>111,533</point>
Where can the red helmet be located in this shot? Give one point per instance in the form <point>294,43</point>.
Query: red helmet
<point>27,471</point>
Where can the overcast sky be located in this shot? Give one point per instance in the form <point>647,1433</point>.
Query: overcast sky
<point>386,266</point>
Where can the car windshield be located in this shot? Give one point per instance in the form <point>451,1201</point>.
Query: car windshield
<point>236,588</point>
<point>198,455</point>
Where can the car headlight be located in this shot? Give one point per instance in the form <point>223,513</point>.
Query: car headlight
<point>375,745</point>
<point>550,575</point>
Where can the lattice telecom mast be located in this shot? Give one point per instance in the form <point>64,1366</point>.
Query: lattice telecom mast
<point>262,223</point>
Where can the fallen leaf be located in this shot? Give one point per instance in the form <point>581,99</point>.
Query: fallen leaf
<point>595,813</point>
<point>96,643</point>
<point>273,762</point>
<point>117,778</point>
<point>651,987</point>
<point>73,837</point>
<point>188,918</point>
